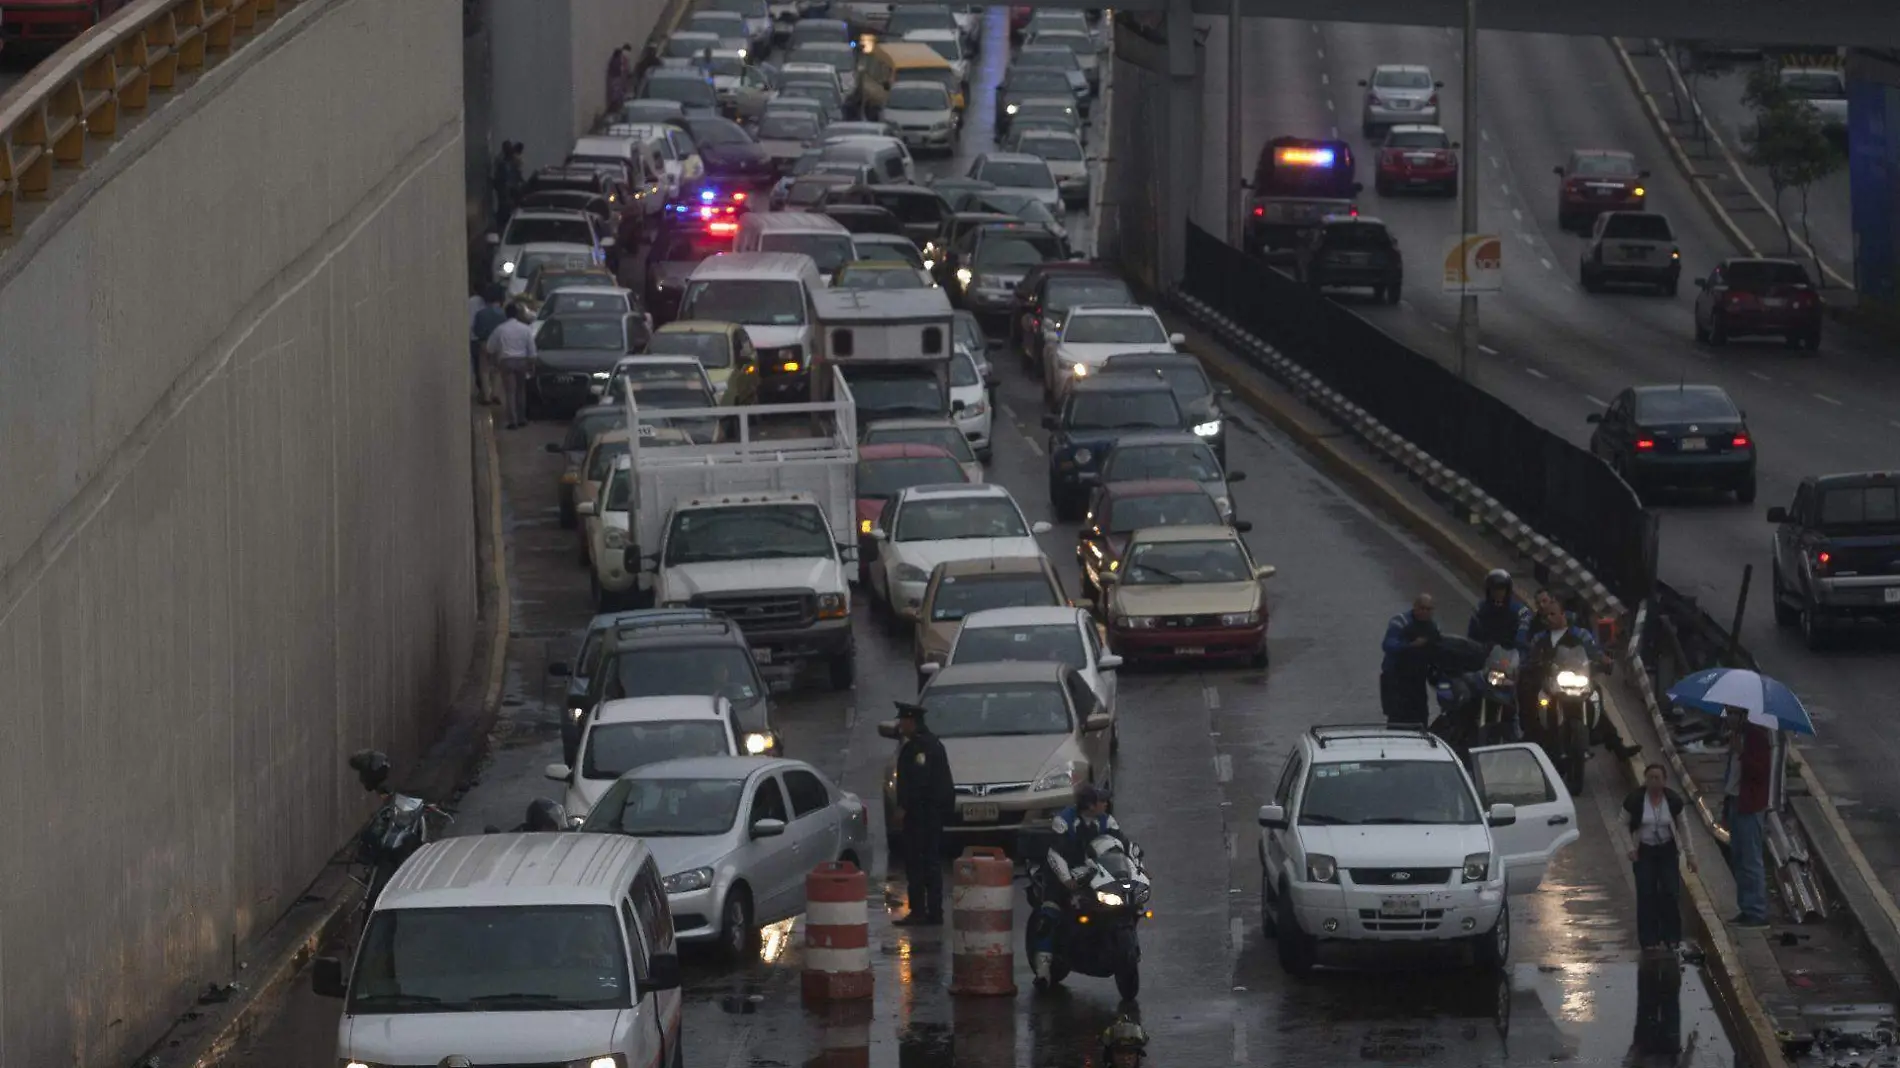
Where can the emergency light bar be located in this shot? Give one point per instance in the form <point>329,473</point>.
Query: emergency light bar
<point>1305,157</point>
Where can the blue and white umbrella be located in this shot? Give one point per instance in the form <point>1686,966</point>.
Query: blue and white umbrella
<point>1768,703</point>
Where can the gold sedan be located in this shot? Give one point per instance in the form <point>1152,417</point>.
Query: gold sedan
<point>1187,593</point>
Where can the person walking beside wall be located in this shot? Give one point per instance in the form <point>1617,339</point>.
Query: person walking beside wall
<point>488,317</point>
<point>1745,792</point>
<point>512,346</point>
<point>1660,842</point>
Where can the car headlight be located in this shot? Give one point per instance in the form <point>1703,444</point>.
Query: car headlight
<point>1079,370</point>
<point>508,267</point>
<point>1225,506</point>
<point>1477,867</point>
<point>964,277</point>
<point>1209,429</point>
<point>1062,776</point>
<point>576,712</point>
<point>1083,456</point>
<point>864,526</point>
<point>602,376</point>
<point>1321,868</point>
<point>687,881</point>
<point>1572,683</point>
<point>758,742</point>
<point>911,573</point>
<point>616,538</point>
<point>1109,899</point>
<point>1240,619</point>
<point>833,606</point>
<point>974,409</point>
<point>1495,678</point>
<point>605,1060</point>
<point>1137,622</point>
<point>1010,109</point>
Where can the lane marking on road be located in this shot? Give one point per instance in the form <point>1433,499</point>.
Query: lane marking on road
<point>1325,79</point>
<point>1211,697</point>
<point>1505,189</point>
<point>1240,1037</point>
<point>1233,845</point>
<point>1516,213</point>
<point>1322,52</point>
<point>1825,399</point>
<point>1314,26</point>
<point>1224,767</point>
<point>1598,401</point>
<point>1526,238</point>
<point>1535,373</point>
<point>1893,422</point>
<point>1329,106</point>
<point>1441,328</point>
<point>1487,350</point>
<point>1493,161</point>
<point>1236,936</point>
<point>1761,376</point>
<point>1031,442</point>
<point>1548,266</point>
<point>1009,413</point>
<point>1335,133</point>
<point>1484,135</point>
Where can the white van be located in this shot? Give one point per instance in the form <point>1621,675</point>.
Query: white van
<point>821,237</point>
<point>673,152</point>
<point>514,949</point>
<point>770,294</point>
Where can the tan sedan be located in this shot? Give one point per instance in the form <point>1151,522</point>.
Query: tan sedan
<point>960,587</point>
<point>1187,593</point>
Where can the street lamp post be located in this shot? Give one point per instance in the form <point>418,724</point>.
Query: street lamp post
<point>1236,211</point>
<point>1468,196</point>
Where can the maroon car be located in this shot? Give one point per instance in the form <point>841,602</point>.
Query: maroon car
<point>1419,158</point>
<point>1121,508</point>
<point>884,471</point>
<point>1754,298</point>
<point>1595,181</point>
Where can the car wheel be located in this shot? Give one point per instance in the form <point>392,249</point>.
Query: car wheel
<point>737,932</point>
<point>1786,615</point>
<point>1260,657</point>
<point>1491,951</point>
<point>1590,282</point>
<point>1669,288</point>
<point>1813,631</point>
<point>1812,340</point>
<point>1381,187</point>
<point>1299,951</point>
<point>1718,333</point>
<point>1701,332</point>
<point>580,554</point>
<point>569,520</point>
<point>1794,339</point>
<point>1268,921</point>
<point>1745,493</point>
<point>1393,292</point>
<point>843,669</point>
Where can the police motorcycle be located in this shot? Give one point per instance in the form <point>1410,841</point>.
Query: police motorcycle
<point>398,828</point>
<point>1480,707</point>
<point>1569,707</point>
<point>1096,935</point>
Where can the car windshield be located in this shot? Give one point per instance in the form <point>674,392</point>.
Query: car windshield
<point>903,252</point>
<point>639,111</point>
<point>1162,510</point>
<point>1059,149</point>
<point>1014,251</point>
<point>1185,378</point>
<point>1637,226</point>
<point>1045,58</point>
<point>959,595</point>
<point>883,479</point>
<point>667,808</point>
<point>969,333</point>
<point>828,251</point>
<point>751,9</point>
<point>992,709</point>
<point>685,671</point>
<point>1402,79</point>
<point>687,246</point>
<point>590,203</point>
<point>788,126</point>
<point>1860,506</point>
<point>756,532</point>
<point>1417,139</point>
<point>809,191</point>
<point>1008,175</point>
<point>716,22</point>
<point>948,47</point>
<point>589,424</point>
<point>911,18</point>
<point>1756,275</point>
<point>724,66</point>
<point>523,958</point>
<point>1167,563</point>
<point>593,332</point>
<point>1064,293</point>
<point>1123,409</point>
<point>912,96</point>
<point>896,393</point>
<point>1685,405</point>
<point>818,31</point>
<point>688,45</point>
<point>959,518</point>
<point>673,396</point>
<point>746,301</point>
<point>549,281</point>
<point>1814,84</point>
<point>583,303</point>
<point>1386,792</point>
<point>1047,117</point>
<point>1081,44</point>
<point>613,749</point>
<point>1114,330</point>
<point>840,58</point>
<point>1606,167</point>
<point>547,231</point>
<point>947,438</point>
<point>1058,642</point>
<point>1134,463</point>
<point>719,132</point>
<point>963,372</point>
<point>711,350</point>
<point>693,91</point>
<point>1037,81</point>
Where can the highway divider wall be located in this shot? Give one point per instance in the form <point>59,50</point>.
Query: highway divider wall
<point>1551,486</point>
<point>237,539</point>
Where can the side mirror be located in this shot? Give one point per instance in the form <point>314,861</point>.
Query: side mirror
<point>558,772</point>
<point>1438,85</point>
<point>326,977</point>
<point>1041,526</point>
<point>929,668</point>
<point>1050,422</point>
<point>1593,417</point>
<point>1265,571</point>
<point>1456,146</point>
<point>1642,174</point>
<point>560,669</point>
<point>768,828</point>
<point>1099,721</point>
<point>1501,815</point>
<point>956,406</point>
<point>1702,283</point>
<point>1558,171</point>
<point>1108,578</point>
<point>552,446</point>
<point>493,239</point>
<point>878,534</point>
<point>584,508</point>
<point>1243,526</point>
<point>888,729</point>
<point>1362,83</point>
<point>1108,663</point>
<point>663,971</point>
<point>1177,339</point>
<point>1358,187</point>
<point>1236,476</point>
<point>1272,817</point>
<point>1777,515</point>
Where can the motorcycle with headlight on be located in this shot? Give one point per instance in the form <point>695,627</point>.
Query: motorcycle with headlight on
<point>1479,707</point>
<point>1568,708</point>
<point>1097,935</point>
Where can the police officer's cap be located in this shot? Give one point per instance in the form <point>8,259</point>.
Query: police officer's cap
<point>1088,795</point>
<point>910,710</point>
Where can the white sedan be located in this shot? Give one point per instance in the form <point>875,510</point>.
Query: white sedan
<point>970,404</point>
<point>1094,332</point>
<point>924,526</point>
<point>1063,634</point>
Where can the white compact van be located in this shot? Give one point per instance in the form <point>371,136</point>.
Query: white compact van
<point>514,949</point>
<point>770,294</point>
<point>821,237</point>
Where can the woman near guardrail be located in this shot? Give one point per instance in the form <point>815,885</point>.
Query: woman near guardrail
<point>1658,838</point>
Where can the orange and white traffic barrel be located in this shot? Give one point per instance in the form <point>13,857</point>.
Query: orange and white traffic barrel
<point>983,914</point>
<point>844,1035</point>
<point>837,934</point>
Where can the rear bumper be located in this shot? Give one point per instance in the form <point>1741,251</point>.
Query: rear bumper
<point>1592,207</point>
<point>821,640</point>
<point>1637,271</point>
<point>1720,471</point>
<point>1358,276</point>
<point>1416,178</point>
<point>1859,596</point>
<point>562,390</point>
<point>1188,643</point>
<point>1768,322</point>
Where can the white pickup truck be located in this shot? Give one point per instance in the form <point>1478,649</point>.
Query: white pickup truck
<point>756,526</point>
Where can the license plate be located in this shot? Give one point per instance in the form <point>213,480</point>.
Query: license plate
<point>1694,445</point>
<point>1419,159</point>
<point>979,813</point>
<point>1401,103</point>
<point>1401,906</point>
<point>761,656</point>
<point>567,380</point>
<point>1891,595</point>
<point>1639,253</point>
<point>1190,650</point>
<point>1775,302</point>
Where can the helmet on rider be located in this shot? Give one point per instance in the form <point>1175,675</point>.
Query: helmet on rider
<point>1124,1043</point>
<point>545,815</point>
<point>1089,797</point>
<point>1498,579</point>
<point>371,767</point>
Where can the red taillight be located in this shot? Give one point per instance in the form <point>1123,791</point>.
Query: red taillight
<point>1355,211</point>
<point>1258,212</point>
<point>1644,444</point>
<point>738,198</point>
<point>1823,558</point>
<point>1433,102</point>
<point>1740,442</point>
<point>1740,300</point>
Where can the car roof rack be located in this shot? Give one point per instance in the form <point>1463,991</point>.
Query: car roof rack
<point>675,619</point>
<point>1324,733</point>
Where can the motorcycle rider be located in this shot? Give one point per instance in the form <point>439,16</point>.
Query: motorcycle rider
<point>1124,1043</point>
<point>1074,828</point>
<point>1500,618</point>
<point>1407,665</point>
<point>1548,630</point>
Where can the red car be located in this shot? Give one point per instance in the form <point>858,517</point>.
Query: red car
<point>1121,508</point>
<point>884,471</point>
<point>1597,180</point>
<point>1748,297</point>
<point>1417,157</point>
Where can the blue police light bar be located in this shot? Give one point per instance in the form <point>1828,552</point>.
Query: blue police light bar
<point>1306,157</point>
<point>706,195</point>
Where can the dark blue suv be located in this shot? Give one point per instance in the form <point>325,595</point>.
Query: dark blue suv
<point>1097,411</point>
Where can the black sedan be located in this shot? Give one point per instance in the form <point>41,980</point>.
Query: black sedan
<point>730,154</point>
<point>574,352</point>
<point>1688,437</point>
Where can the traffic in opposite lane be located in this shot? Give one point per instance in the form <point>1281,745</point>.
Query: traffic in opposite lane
<point>734,731</point>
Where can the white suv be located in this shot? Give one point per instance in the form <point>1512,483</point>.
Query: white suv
<point>1377,834</point>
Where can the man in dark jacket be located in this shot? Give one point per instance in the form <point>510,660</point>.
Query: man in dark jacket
<point>1073,829</point>
<point>1550,629</point>
<point>926,797</point>
<point>1500,616</point>
<point>1406,670</point>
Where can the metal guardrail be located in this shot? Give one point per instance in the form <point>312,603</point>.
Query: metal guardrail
<point>82,92</point>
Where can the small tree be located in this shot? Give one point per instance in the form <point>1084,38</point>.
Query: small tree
<point>1697,60</point>
<point>1792,146</point>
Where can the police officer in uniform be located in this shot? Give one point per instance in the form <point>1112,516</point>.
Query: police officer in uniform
<point>926,796</point>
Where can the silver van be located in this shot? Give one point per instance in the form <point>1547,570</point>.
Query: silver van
<point>821,237</point>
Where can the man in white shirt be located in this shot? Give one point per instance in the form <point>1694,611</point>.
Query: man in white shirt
<point>512,346</point>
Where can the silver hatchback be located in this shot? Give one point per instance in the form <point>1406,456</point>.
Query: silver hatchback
<point>1398,94</point>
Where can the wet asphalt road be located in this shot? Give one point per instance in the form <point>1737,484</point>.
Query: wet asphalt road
<point>1200,750</point>
<point>1557,354</point>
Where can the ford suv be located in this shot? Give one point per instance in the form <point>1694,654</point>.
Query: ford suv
<point>1380,834</point>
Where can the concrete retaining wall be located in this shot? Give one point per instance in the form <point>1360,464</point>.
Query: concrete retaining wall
<point>236,538</point>
<point>549,61</point>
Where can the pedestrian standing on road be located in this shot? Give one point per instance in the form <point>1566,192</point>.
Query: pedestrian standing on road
<point>926,796</point>
<point>487,317</point>
<point>1745,793</point>
<point>1405,672</point>
<point>1659,837</point>
<point>617,69</point>
<point>512,347</point>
